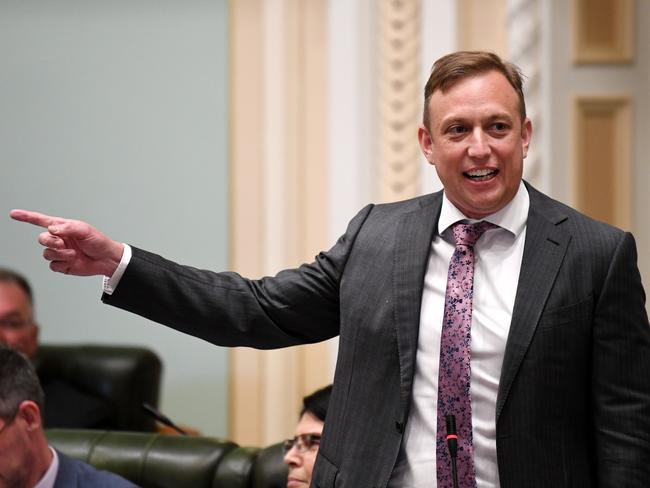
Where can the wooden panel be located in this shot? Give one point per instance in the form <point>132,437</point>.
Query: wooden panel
<point>278,174</point>
<point>246,204</point>
<point>603,159</point>
<point>603,31</point>
<point>482,25</point>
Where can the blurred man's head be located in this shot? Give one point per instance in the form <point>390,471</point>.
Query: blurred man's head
<point>300,452</point>
<point>24,453</point>
<point>17,327</point>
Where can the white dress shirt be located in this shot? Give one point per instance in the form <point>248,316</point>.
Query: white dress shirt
<point>498,255</point>
<point>111,283</point>
<point>49,478</point>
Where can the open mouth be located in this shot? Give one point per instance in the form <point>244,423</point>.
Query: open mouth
<point>481,174</point>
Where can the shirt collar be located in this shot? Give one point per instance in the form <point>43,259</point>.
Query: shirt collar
<point>512,217</point>
<point>48,479</point>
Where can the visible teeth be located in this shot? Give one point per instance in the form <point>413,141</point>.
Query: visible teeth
<point>480,172</point>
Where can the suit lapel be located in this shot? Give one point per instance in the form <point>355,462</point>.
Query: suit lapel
<point>544,250</point>
<point>413,244</point>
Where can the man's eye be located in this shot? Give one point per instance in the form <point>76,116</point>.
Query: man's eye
<point>457,129</point>
<point>500,126</point>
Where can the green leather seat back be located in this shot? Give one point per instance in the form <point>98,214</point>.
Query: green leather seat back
<point>148,460</point>
<point>125,376</point>
<point>165,461</point>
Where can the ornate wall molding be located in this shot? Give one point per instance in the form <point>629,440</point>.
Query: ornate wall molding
<point>399,98</point>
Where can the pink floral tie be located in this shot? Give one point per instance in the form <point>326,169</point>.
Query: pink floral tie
<point>454,372</point>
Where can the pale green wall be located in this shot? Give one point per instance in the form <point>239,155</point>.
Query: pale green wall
<point>115,112</point>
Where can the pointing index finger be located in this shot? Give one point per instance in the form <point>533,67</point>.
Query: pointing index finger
<point>34,218</point>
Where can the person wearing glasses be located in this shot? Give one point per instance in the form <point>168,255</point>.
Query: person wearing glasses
<point>300,452</point>
<point>67,406</point>
<point>26,459</point>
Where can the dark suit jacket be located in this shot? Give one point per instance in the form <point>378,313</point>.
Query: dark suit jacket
<point>573,408</point>
<point>75,474</point>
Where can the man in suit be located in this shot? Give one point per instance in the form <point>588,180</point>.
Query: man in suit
<point>67,405</point>
<point>26,460</point>
<point>558,339</point>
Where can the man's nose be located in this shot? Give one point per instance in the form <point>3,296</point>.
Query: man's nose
<point>478,145</point>
<point>292,457</point>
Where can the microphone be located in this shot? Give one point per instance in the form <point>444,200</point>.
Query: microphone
<point>452,445</point>
<point>161,418</point>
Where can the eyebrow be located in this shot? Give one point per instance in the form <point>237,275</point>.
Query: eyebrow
<point>459,120</point>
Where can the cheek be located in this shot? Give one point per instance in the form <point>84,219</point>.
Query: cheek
<point>308,463</point>
<point>11,467</point>
<point>449,154</point>
<point>9,338</point>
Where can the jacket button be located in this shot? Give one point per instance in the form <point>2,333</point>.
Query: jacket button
<point>399,427</point>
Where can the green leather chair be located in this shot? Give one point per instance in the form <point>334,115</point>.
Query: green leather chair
<point>164,461</point>
<point>125,377</point>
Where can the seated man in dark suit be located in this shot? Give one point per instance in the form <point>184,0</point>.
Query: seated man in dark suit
<point>68,407</point>
<point>26,460</point>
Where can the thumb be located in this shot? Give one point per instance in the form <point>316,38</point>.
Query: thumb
<point>72,229</point>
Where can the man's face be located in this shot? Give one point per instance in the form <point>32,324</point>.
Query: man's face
<point>477,142</point>
<point>16,453</point>
<point>301,464</point>
<point>17,329</point>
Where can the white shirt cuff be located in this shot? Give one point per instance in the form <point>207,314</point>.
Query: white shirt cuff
<point>109,284</point>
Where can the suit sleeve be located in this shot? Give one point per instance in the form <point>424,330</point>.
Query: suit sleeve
<point>621,373</point>
<point>296,306</point>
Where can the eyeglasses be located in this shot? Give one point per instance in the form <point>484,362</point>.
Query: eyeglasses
<point>303,442</point>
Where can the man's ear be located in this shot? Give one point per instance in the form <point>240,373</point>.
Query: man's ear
<point>426,143</point>
<point>526,135</point>
<point>30,414</point>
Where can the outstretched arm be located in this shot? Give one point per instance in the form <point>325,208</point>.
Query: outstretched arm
<point>72,246</point>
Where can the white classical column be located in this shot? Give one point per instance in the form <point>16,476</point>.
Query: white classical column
<point>525,50</point>
<point>351,69</point>
<point>439,37</point>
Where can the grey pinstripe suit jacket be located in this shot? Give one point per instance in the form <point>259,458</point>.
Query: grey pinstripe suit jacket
<point>573,408</point>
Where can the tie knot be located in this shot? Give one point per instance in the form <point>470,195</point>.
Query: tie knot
<point>468,234</point>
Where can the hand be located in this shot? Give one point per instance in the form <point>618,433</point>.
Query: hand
<point>72,246</point>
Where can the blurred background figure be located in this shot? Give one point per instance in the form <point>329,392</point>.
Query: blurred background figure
<point>67,405</point>
<point>300,452</point>
<point>26,460</point>
<point>17,327</point>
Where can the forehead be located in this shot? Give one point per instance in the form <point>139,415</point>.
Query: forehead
<point>12,297</point>
<point>486,93</point>
<point>309,424</point>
